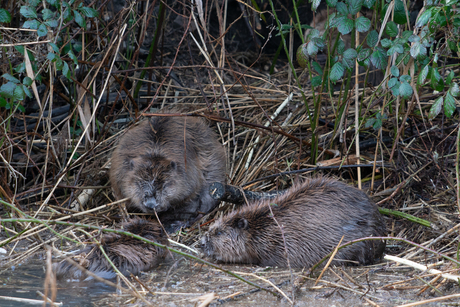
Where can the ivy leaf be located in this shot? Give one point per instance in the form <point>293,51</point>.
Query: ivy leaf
<point>436,108</point>
<point>423,74</point>
<point>5,16</point>
<point>394,71</point>
<point>379,58</point>
<point>19,94</point>
<point>47,14</point>
<point>449,105</point>
<point>42,30</point>
<point>66,71</point>
<point>346,26</point>
<point>28,12</point>
<point>362,24</point>
<point>372,38</point>
<point>89,12</point>
<point>405,90</point>
<point>391,29</point>
<point>342,9</point>
<point>454,89</point>
<point>392,82</point>
<point>336,72</point>
<point>31,24</point>
<point>11,78</point>
<point>386,43</point>
<point>316,81</point>
<point>7,89</point>
<point>315,4</point>
<point>364,54</point>
<point>79,19</point>
<point>354,6</point>
<point>423,19</point>
<point>369,3</point>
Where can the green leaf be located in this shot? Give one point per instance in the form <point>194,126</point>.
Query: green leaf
<point>52,23</point>
<point>342,9</point>
<point>346,26</point>
<point>52,2</point>
<point>417,50</point>
<point>2,102</point>
<point>436,80</point>
<point>370,122</point>
<point>336,72</point>
<point>31,24</point>
<point>66,71</point>
<point>51,56</point>
<point>362,24</point>
<point>340,47</point>
<point>7,89</point>
<point>88,12</point>
<point>331,3</point>
<point>28,12</point>
<point>27,81</point>
<point>423,19</point>
<point>364,54</point>
<point>5,16</point>
<point>59,63</point>
<point>372,38</point>
<point>42,30</point>
<point>315,4</point>
<point>369,3</point>
<point>79,19</point>
<point>312,49</point>
<point>20,49</point>
<point>405,90</point>
<point>449,77</point>
<point>414,38</point>
<point>423,74</point>
<point>19,94</point>
<point>391,29</point>
<point>400,13</point>
<point>449,105</point>
<point>349,57</point>
<point>392,82</point>
<point>405,78</point>
<point>21,68</point>
<point>454,89</point>
<point>55,47</point>
<point>436,108</point>
<point>73,57</point>
<point>34,3</point>
<point>394,71</point>
<point>47,14</point>
<point>27,91</point>
<point>316,81</point>
<point>379,58</point>
<point>354,6</point>
<point>395,89</point>
<point>386,43</point>
<point>317,67</point>
<point>11,78</point>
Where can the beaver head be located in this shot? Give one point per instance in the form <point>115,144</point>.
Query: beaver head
<point>230,240</point>
<point>152,183</point>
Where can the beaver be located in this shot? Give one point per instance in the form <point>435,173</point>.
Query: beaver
<point>313,214</point>
<point>128,254</point>
<point>166,165</point>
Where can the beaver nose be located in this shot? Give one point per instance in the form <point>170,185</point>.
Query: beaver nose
<point>151,203</point>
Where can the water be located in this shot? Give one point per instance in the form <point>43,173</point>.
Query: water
<point>23,281</point>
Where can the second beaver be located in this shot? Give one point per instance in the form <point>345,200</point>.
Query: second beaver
<point>313,216</point>
<point>166,164</point>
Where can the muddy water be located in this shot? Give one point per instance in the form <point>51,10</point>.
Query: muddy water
<point>23,281</point>
<point>184,283</point>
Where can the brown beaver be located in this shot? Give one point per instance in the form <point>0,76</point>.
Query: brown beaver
<point>314,215</point>
<point>166,164</point>
<point>128,254</point>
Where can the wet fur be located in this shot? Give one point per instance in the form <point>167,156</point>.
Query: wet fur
<point>314,214</point>
<point>128,254</point>
<point>166,164</point>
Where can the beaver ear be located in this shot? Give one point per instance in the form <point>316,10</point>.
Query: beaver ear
<point>242,223</point>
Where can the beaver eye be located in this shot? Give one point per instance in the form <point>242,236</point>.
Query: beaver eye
<point>218,233</point>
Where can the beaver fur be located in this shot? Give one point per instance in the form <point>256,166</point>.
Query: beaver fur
<point>166,164</point>
<point>313,214</point>
<point>128,254</point>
